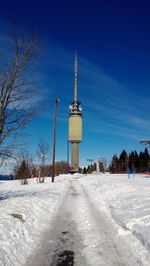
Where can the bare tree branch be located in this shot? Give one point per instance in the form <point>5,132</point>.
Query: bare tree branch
<point>16,92</point>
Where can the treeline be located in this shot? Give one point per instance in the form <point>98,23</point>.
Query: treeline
<point>26,169</point>
<point>133,162</point>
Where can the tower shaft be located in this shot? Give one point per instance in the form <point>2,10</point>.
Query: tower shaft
<point>75,157</point>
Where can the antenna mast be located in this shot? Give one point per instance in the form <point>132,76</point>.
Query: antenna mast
<point>75,77</point>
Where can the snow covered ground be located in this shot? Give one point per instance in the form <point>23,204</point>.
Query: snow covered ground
<point>123,202</point>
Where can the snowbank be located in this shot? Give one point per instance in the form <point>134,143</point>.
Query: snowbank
<point>126,200</point>
<point>37,203</point>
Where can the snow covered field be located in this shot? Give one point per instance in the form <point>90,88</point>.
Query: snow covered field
<point>124,202</point>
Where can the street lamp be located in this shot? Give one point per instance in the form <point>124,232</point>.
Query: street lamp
<point>57,100</point>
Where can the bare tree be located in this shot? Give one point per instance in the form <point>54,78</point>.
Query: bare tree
<point>16,91</point>
<point>42,153</point>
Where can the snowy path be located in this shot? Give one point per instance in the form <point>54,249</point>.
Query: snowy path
<point>80,235</point>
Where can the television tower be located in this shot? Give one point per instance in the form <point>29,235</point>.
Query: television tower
<point>75,122</point>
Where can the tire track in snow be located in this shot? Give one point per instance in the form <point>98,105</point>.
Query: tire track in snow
<point>62,244</point>
<point>102,243</point>
<point>80,235</point>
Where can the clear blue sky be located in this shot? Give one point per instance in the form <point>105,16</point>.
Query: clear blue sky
<point>113,43</point>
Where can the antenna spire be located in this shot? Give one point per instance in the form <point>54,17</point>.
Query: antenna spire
<point>75,77</point>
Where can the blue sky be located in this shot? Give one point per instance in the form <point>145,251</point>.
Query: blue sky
<point>113,43</point>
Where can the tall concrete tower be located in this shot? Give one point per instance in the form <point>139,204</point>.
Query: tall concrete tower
<point>75,122</point>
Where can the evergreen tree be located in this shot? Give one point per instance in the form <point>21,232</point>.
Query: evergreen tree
<point>114,164</point>
<point>123,161</point>
<point>133,161</point>
<point>136,161</point>
<point>141,161</point>
<point>23,172</point>
<point>84,170</point>
<point>145,160</point>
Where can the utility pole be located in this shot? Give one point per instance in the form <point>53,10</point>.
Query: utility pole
<point>54,137</point>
